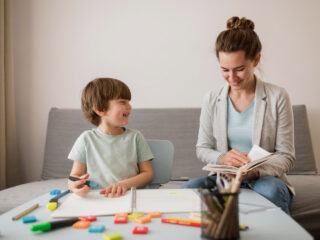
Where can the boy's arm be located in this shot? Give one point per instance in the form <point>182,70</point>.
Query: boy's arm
<point>78,169</point>
<point>78,187</point>
<point>144,177</point>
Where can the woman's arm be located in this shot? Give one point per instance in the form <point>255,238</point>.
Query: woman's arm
<point>144,177</point>
<point>284,157</point>
<point>206,147</point>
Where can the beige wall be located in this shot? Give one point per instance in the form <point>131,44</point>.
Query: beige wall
<point>163,49</point>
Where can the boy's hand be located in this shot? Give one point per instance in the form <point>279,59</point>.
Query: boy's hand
<point>115,190</point>
<point>79,187</point>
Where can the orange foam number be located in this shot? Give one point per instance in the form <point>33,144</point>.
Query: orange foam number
<point>124,214</point>
<point>154,214</point>
<point>142,220</point>
<point>81,224</point>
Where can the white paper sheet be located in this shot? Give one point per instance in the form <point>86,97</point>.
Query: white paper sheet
<point>94,204</point>
<point>168,200</point>
<point>147,200</point>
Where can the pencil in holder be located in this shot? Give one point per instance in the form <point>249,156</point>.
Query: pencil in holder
<point>219,215</point>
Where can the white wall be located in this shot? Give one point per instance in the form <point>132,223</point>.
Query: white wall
<point>163,49</point>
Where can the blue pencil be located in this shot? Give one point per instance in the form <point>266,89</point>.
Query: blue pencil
<point>53,203</point>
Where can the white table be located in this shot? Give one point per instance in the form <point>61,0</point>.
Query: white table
<point>271,223</point>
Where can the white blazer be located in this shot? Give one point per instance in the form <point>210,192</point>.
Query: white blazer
<point>272,128</point>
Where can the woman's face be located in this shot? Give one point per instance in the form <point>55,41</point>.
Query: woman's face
<point>236,69</point>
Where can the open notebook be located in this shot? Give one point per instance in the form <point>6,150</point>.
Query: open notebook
<point>257,155</point>
<point>146,200</point>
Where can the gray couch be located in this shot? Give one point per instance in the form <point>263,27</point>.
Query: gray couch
<point>180,126</point>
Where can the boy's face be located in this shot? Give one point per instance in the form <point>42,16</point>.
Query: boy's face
<point>118,112</point>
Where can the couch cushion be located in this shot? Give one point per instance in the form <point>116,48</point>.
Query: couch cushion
<point>305,208</point>
<point>180,126</point>
<point>305,161</point>
<point>18,195</point>
<point>64,126</point>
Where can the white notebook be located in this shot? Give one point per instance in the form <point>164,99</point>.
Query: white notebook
<point>257,155</point>
<point>147,200</point>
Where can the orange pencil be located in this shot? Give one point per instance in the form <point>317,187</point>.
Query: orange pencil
<point>181,222</point>
<point>184,220</point>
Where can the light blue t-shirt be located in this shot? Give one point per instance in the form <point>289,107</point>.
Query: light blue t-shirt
<point>239,130</point>
<point>109,158</point>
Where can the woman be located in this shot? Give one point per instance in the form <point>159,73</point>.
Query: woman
<point>244,112</point>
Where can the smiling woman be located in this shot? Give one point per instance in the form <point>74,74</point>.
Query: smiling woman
<point>239,73</point>
<point>244,112</point>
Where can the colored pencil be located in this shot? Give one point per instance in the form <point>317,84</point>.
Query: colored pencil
<point>25,212</point>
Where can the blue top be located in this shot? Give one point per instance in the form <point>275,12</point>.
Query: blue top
<point>239,130</point>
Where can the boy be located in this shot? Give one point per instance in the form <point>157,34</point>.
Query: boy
<point>114,157</point>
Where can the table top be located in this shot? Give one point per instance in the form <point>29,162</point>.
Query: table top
<point>264,219</point>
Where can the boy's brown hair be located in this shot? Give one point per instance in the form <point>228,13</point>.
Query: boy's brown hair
<point>98,93</point>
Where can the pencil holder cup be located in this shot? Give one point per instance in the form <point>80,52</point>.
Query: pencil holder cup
<point>219,215</point>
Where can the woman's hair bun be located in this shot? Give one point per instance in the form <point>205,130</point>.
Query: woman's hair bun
<point>237,23</point>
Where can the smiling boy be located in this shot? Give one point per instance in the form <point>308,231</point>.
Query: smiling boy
<point>116,158</point>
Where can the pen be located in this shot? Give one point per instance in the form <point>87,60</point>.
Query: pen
<point>53,203</point>
<point>88,183</point>
<point>47,226</point>
<point>181,222</point>
<point>25,212</point>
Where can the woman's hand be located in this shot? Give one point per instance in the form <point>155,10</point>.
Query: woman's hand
<point>234,158</point>
<point>115,190</point>
<point>251,175</point>
<point>79,187</point>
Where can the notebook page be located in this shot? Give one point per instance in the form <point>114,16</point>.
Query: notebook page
<point>257,152</point>
<point>93,203</point>
<point>167,200</point>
